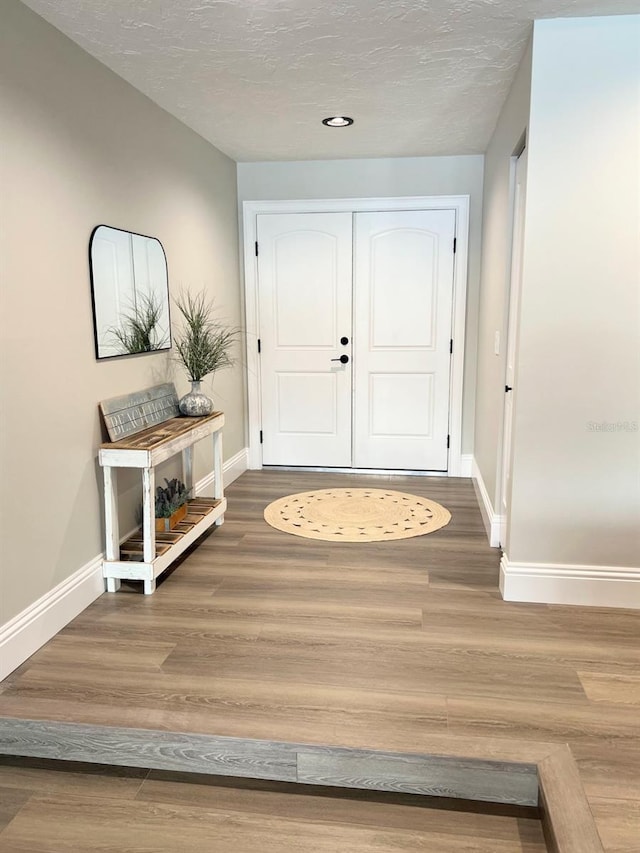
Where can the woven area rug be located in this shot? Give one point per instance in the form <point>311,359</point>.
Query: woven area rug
<point>356,515</point>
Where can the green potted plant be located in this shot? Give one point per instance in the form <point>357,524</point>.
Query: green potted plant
<point>171,504</point>
<point>203,345</point>
<point>140,330</point>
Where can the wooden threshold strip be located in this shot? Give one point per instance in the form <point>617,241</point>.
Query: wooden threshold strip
<point>567,821</point>
<point>524,773</point>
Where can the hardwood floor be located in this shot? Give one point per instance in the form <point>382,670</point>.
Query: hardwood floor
<point>84,808</point>
<point>261,634</point>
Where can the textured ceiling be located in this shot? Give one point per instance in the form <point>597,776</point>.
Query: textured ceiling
<point>255,77</point>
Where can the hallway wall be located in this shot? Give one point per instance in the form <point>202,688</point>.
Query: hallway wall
<point>81,147</point>
<point>576,468</point>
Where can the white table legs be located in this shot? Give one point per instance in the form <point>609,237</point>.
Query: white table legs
<point>149,522</point>
<point>218,484</point>
<point>111,522</point>
<point>187,469</point>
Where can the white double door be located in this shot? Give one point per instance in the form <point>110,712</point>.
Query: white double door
<point>355,329</point>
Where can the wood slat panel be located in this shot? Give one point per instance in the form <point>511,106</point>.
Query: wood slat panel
<point>132,548</point>
<point>129,414</point>
<point>155,436</point>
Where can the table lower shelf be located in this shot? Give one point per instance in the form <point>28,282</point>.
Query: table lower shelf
<point>202,514</point>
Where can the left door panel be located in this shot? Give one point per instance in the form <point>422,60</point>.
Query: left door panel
<point>305,293</point>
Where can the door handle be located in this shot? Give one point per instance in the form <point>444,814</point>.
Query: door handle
<point>507,388</point>
<point>344,359</point>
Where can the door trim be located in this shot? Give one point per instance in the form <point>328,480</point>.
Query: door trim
<point>251,209</point>
<point>517,171</point>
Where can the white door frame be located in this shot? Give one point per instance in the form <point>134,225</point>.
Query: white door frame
<point>459,203</point>
<point>518,168</point>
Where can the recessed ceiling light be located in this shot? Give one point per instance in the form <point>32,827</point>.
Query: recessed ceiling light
<point>337,121</point>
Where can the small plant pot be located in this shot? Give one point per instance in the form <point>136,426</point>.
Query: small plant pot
<point>164,524</point>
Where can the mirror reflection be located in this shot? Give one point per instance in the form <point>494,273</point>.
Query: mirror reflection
<point>130,291</point>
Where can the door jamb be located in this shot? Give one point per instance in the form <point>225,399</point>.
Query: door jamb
<point>251,209</point>
<point>511,327</point>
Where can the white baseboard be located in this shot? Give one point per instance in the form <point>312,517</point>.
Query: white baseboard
<point>466,465</point>
<point>493,522</point>
<point>548,583</point>
<point>231,470</point>
<point>37,624</point>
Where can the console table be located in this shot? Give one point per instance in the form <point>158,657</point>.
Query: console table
<point>146,554</point>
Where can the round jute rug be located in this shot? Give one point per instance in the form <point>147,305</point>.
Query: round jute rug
<point>356,515</point>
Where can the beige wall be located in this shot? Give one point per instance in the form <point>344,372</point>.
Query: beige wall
<point>81,147</point>
<point>576,488</point>
<point>497,217</point>
<point>384,178</point>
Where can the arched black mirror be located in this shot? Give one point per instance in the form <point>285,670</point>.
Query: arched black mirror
<point>130,293</point>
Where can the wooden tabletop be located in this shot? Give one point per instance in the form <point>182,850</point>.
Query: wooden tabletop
<point>156,436</point>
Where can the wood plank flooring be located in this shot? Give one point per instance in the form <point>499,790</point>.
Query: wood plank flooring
<point>385,646</point>
<point>84,808</point>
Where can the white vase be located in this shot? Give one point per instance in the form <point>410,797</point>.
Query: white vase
<point>195,404</point>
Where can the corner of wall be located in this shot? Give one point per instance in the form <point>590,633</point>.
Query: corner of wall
<point>493,523</point>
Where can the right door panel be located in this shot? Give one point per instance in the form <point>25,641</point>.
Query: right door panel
<point>403,291</point>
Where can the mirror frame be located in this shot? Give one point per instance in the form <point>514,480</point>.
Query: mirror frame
<point>96,342</point>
